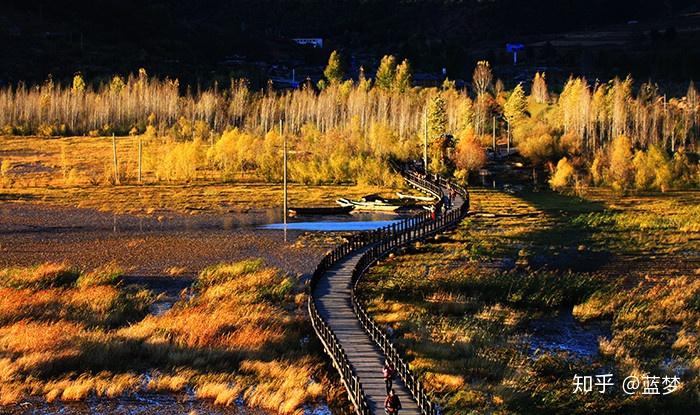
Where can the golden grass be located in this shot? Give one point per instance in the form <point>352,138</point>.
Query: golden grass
<point>89,159</point>
<point>239,336</point>
<point>42,276</point>
<point>459,319</point>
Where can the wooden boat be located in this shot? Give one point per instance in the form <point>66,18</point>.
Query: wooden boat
<point>419,198</point>
<point>379,206</point>
<point>323,210</point>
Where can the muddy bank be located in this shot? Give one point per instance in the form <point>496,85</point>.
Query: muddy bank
<point>150,245</point>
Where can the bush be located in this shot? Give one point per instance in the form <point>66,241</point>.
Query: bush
<point>563,175</point>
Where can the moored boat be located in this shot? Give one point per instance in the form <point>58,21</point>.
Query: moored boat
<point>419,198</point>
<point>322,210</point>
<point>373,206</point>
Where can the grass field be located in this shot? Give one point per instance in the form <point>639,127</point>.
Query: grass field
<point>239,332</point>
<point>463,306</point>
<point>78,172</point>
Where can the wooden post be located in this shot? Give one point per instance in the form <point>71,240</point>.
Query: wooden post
<point>114,159</point>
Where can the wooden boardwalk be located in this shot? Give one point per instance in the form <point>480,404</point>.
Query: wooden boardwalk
<point>333,301</point>
<point>332,296</point>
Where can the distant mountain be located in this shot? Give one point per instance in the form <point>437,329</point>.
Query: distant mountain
<point>191,38</point>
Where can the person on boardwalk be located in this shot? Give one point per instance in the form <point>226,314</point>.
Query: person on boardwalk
<point>392,404</point>
<point>388,373</point>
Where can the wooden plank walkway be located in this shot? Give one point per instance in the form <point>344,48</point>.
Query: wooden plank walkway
<point>333,300</point>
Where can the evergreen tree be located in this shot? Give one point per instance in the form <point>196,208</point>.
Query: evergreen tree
<point>334,70</point>
<point>437,128</point>
<point>403,78</point>
<point>386,73</point>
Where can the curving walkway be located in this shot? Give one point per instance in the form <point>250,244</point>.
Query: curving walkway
<point>333,299</point>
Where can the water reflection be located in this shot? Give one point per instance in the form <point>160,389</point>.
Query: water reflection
<point>561,332</point>
<point>331,226</point>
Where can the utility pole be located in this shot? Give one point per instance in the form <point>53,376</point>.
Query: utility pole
<point>494,135</point>
<point>508,138</point>
<point>284,172</point>
<point>114,159</point>
<point>425,143</point>
<point>140,158</point>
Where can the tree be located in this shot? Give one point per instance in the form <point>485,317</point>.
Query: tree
<point>386,73</point>
<point>437,129</point>
<point>403,77</point>
<point>78,84</point>
<point>538,91</point>
<point>515,106</point>
<point>652,169</point>
<point>437,117</point>
<point>482,77</point>
<point>481,81</point>
<point>334,72</point>
<point>563,175</point>
<point>539,149</point>
<point>469,156</point>
<point>621,172</point>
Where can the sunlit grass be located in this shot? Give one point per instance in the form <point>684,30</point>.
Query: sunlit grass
<point>459,305</point>
<point>237,336</point>
<point>41,179</point>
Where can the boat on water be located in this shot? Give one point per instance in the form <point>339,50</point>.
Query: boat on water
<point>411,197</point>
<point>321,210</point>
<point>376,205</point>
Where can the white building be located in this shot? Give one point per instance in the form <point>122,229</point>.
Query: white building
<point>316,42</point>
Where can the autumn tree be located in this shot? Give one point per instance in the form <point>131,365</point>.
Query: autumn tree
<point>538,91</point>
<point>386,73</point>
<point>539,149</point>
<point>563,175</point>
<point>482,77</point>
<point>621,169</point>
<point>481,81</point>
<point>469,156</point>
<point>516,105</point>
<point>334,72</point>
<point>403,77</point>
<point>78,83</point>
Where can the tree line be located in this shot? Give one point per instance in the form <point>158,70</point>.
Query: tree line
<point>340,127</point>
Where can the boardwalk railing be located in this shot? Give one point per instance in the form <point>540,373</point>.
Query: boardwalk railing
<point>379,243</point>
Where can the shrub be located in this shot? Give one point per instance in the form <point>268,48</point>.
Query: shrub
<point>563,175</point>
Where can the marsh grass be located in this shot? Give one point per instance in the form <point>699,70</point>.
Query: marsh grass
<point>459,305</point>
<point>237,334</point>
<point>77,172</point>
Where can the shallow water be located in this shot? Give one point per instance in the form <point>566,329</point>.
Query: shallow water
<point>331,226</point>
<point>562,333</point>
<point>142,404</point>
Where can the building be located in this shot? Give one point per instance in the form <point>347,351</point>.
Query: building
<point>316,42</point>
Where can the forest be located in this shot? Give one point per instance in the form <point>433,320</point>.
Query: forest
<point>615,133</point>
